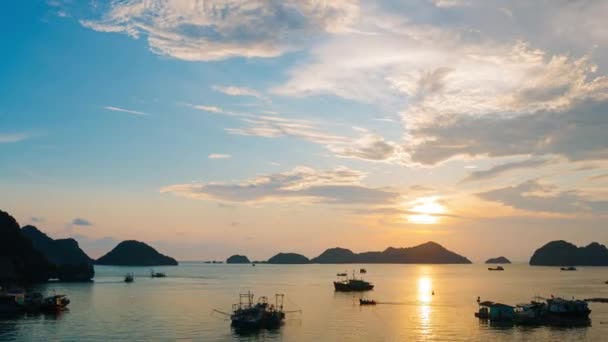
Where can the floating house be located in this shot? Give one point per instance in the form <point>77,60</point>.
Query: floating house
<point>495,311</point>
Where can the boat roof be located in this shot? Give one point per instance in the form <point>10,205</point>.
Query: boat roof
<point>493,304</point>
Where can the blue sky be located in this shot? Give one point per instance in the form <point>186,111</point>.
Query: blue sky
<point>210,128</point>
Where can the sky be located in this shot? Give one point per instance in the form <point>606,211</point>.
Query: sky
<point>210,128</point>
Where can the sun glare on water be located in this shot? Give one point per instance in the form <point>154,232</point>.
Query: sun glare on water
<point>425,210</point>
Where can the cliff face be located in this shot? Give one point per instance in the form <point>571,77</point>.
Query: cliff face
<point>427,253</point>
<point>238,259</point>
<point>499,260</point>
<point>135,253</point>
<point>288,258</point>
<point>71,263</point>
<point>562,253</point>
<point>19,260</point>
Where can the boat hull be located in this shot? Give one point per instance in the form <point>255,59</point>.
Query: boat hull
<point>345,287</point>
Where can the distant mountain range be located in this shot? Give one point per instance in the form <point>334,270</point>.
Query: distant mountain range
<point>562,253</point>
<point>427,253</point>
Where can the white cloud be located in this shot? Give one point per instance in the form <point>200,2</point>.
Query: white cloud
<point>212,109</point>
<point>204,30</point>
<point>129,111</point>
<point>338,186</point>
<point>219,156</point>
<point>237,91</point>
<point>13,137</point>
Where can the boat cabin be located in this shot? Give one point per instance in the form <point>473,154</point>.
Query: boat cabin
<point>495,311</point>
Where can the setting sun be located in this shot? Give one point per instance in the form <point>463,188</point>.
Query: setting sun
<point>425,210</point>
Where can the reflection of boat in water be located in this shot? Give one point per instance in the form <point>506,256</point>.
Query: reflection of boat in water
<point>249,316</point>
<point>129,278</point>
<point>157,274</point>
<point>367,301</point>
<point>352,284</point>
<point>497,268</point>
<point>569,268</point>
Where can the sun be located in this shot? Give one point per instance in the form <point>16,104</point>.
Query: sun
<point>425,210</point>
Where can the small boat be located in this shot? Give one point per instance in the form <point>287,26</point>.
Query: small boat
<point>569,268</point>
<point>11,301</point>
<point>367,301</point>
<point>54,303</point>
<point>129,278</point>
<point>249,316</point>
<point>341,274</point>
<point>497,268</point>
<point>352,284</point>
<point>157,274</point>
<point>252,264</point>
<point>363,270</point>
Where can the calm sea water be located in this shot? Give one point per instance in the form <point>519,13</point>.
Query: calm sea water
<point>180,307</point>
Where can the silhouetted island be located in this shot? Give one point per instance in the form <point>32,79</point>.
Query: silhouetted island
<point>499,260</point>
<point>19,260</point>
<point>562,253</point>
<point>71,263</point>
<point>238,259</point>
<point>288,258</point>
<point>427,253</point>
<point>135,253</point>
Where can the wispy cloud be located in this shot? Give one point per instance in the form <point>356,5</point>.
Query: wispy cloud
<point>237,91</point>
<point>219,156</point>
<point>536,197</point>
<point>338,186</point>
<point>503,168</point>
<point>13,137</point>
<point>123,110</point>
<point>220,29</point>
<point>81,222</point>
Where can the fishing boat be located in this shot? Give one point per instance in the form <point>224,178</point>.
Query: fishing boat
<point>531,313</point>
<point>345,284</point>
<point>129,278</point>
<point>553,311</point>
<point>569,268</point>
<point>54,303</point>
<point>363,301</point>
<point>363,270</point>
<point>497,268</point>
<point>11,301</point>
<point>157,274</point>
<point>341,274</point>
<point>249,316</point>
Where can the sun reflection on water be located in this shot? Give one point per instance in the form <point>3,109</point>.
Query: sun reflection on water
<point>425,296</point>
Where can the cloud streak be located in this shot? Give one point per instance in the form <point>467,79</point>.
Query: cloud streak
<point>13,137</point>
<point>123,110</point>
<point>219,156</point>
